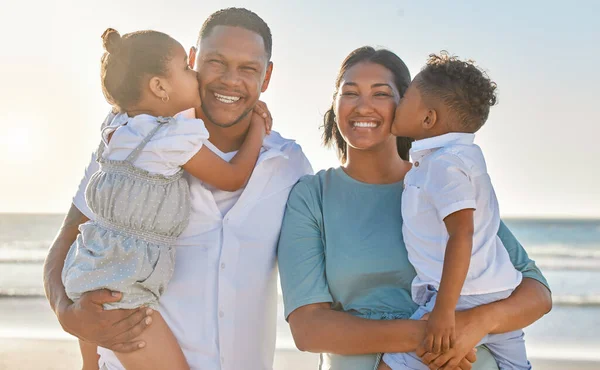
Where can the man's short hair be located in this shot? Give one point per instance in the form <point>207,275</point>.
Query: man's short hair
<point>238,17</point>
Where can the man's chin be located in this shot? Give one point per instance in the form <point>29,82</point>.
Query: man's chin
<point>224,122</point>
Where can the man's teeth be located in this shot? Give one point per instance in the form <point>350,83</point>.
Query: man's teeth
<point>365,124</point>
<point>226,99</point>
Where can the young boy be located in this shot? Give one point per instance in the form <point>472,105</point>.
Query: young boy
<point>450,210</point>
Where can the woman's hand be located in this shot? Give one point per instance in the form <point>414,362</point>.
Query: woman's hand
<point>262,117</point>
<point>471,327</point>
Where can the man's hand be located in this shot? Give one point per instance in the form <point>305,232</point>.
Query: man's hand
<point>112,329</point>
<point>439,335</point>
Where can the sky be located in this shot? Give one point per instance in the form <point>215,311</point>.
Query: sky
<point>540,142</point>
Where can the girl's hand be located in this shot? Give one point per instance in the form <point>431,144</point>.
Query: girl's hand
<point>262,116</point>
<point>439,335</point>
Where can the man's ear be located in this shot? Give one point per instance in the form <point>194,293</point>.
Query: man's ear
<point>192,57</point>
<point>267,79</point>
<point>430,119</point>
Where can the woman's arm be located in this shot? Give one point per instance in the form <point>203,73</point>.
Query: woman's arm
<point>318,328</point>
<point>231,176</point>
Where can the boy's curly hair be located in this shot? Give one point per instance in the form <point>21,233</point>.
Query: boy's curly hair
<point>463,87</point>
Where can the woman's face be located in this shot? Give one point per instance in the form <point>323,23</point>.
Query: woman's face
<point>365,104</point>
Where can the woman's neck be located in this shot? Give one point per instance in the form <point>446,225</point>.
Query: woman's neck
<point>381,166</point>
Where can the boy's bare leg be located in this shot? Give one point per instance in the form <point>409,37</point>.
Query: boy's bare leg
<point>161,351</point>
<point>89,354</point>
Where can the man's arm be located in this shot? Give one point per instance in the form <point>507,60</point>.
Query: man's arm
<point>86,319</point>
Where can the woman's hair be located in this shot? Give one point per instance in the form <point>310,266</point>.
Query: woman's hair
<point>129,60</point>
<point>464,88</point>
<point>385,58</point>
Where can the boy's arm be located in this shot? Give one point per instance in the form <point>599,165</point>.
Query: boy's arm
<point>456,265</point>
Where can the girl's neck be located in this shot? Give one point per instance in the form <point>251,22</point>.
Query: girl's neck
<point>381,166</point>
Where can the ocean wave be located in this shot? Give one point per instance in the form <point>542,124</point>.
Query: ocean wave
<point>12,255</point>
<point>564,251</point>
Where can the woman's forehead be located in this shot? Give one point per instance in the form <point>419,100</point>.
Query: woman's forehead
<point>368,73</point>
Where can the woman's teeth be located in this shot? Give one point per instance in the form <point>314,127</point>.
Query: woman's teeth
<point>226,99</point>
<point>365,124</point>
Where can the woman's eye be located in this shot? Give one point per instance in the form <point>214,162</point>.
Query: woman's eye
<point>349,93</point>
<point>382,94</point>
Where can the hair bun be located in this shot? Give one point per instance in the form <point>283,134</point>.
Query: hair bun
<point>111,40</point>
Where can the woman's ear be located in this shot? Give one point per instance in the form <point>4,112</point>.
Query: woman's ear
<point>159,88</point>
<point>430,119</point>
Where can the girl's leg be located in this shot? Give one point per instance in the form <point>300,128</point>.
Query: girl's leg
<point>161,351</point>
<point>89,355</point>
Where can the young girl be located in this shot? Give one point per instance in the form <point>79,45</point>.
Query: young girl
<point>450,211</point>
<point>139,198</point>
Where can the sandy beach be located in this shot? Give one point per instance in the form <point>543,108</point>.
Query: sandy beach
<point>31,339</point>
<point>30,354</point>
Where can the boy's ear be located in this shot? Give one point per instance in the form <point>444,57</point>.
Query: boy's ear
<point>430,119</point>
<point>192,57</point>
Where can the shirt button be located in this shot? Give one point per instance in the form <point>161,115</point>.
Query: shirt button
<point>221,313</point>
<point>222,265</point>
<point>417,164</point>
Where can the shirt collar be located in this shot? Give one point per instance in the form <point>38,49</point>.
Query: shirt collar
<point>425,146</point>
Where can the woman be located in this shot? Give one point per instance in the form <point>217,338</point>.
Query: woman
<point>344,270</point>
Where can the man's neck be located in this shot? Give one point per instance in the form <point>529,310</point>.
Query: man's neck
<point>227,139</point>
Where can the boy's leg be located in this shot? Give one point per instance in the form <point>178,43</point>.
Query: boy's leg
<point>509,350</point>
<point>161,351</point>
<point>89,355</point>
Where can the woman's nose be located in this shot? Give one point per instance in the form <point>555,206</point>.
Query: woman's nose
<point>364,105</point>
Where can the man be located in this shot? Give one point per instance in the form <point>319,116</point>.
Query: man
<point>221,301</point>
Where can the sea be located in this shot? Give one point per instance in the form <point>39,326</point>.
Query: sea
<point>567,251</point>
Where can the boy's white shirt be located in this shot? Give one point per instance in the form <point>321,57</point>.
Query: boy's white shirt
<point>449,174</point>
<point>221,303</point>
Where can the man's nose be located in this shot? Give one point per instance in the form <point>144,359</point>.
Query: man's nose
<point>230,77</point>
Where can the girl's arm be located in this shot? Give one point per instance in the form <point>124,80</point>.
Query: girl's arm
<point>231,176</point>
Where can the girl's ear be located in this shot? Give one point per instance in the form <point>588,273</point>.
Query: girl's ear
<point>159,88</point>
<point>430,119</point>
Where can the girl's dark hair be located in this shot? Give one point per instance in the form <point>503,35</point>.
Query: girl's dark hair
<point>130,59</point>
<point>389,60</point>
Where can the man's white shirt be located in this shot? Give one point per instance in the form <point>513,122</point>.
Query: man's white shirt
<point>221,303</point>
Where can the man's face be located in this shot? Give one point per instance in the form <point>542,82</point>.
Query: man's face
<point>233,70</point>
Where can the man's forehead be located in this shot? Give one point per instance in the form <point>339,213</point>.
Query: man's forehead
<point>233,42</point>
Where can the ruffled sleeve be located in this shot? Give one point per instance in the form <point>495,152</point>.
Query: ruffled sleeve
<point>177,143</point>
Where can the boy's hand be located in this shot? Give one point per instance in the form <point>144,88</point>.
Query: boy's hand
<point>262,116</point>
<point>439,335</point>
